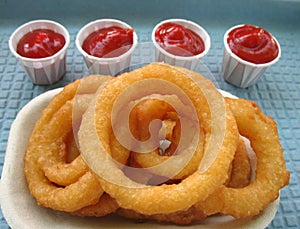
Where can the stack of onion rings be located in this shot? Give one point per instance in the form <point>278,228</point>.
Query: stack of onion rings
<point>95,146</point>
<point>158,143</point>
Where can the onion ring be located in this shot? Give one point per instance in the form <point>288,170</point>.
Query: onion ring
<point>58,171</point>
<point>95,147</point>
<point>44,149</point>
<point>154,108</point>
<point>271,173</point>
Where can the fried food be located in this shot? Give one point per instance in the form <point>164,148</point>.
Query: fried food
<point>159,143</point>
<point>239,177</point>
<point>46,149</point>
<point>271,173</point>
<point>151,109</point>
<point>106,205</point>
<point>220,139</point>
<point>240,173</point>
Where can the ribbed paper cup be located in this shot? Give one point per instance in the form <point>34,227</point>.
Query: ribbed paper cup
<point>106,66</point>
<point>189,62</point>
<point>42,71</point>
<point>239,72</point>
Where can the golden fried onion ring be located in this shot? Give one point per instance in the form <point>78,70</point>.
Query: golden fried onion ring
<point>45,150</point>
<point>221,138</point>
<point>271,174</point>
<point>155,108</point>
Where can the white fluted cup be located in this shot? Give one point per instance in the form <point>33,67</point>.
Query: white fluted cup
<point>42,71</point>
<point>239,72</point>
<point>190,62</point>
<point>106,65</point>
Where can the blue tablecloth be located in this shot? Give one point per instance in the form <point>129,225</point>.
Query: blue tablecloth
<point>277,92</point>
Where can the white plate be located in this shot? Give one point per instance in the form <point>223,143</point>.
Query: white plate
<point>21,210</point>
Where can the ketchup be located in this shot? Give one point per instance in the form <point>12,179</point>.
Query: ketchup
<point>108,42</point>
<point>40,43</point>
<point>253,44</point>
<point>178,40</point>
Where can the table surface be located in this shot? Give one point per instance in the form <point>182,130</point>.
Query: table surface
<point>277,92</point>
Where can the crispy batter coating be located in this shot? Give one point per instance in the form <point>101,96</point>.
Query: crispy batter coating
<point>46,148</point>
<point>110,176</point>
<point>271,173</point>
<point>174,197</point>
<point>241,168</point>
<point>106,205</point>
<point>151,109</point>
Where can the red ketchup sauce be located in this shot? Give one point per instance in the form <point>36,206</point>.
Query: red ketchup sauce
<point>108,42</point>
<point>253,44</point>
<point>40,43</point>
<point>178,40</point>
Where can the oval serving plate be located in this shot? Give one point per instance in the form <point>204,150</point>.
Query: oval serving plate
<point>21,210</point>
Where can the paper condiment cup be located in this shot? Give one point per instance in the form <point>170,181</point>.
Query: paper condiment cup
<point>189,62</point>
<point>42,71</point>
<point>106,66</point>
<point>239,72</point>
